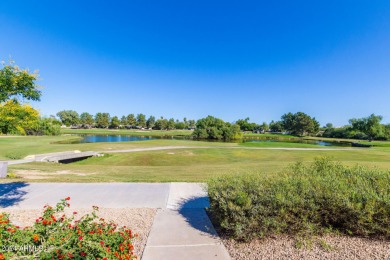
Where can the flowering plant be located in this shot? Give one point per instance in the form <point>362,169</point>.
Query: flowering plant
<point>56,236</point>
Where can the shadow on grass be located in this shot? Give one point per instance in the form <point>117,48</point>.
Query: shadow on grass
<point>11,193</point>
<point>193,210</point>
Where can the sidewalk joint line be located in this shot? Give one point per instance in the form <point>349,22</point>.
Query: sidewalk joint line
<point>212,244</point>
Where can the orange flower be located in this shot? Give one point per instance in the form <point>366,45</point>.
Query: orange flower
<point>36,237</point>
<point>2,257</point>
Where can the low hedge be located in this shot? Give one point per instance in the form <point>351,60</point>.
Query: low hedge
<point>304,200</point>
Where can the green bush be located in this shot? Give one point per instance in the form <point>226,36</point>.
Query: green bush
<point>56,236</point>
<point>305,200</point>
<point>45,126</point>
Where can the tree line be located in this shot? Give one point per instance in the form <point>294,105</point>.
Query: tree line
<point>16,117</point>
<point>130,121</point>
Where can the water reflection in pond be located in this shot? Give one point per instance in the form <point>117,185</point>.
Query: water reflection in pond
<point>130,138</point>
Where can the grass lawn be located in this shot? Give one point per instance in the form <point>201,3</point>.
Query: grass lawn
<point>193,165</point>
<point>21,146</point>
<point>197,163</point>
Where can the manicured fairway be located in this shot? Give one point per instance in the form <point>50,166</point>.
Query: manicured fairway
<point>189,164</point>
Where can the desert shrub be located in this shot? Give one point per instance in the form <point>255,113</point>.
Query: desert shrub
<point>56,236</point>
<point>304,200</point>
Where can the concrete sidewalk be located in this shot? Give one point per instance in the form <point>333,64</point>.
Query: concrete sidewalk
<point>181,229</point>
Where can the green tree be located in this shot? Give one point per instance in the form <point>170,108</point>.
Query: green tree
<point>180,125</point>
<point>186,123</point>
<point>329,125</point>
<point>191,124</point>
<point>276,126</point>
<point>151,122</point>
<point>131,120</point>
<point>161,124</point>
<point>371,126</point>
<point>171,124</point>
<point>215,128</point>
<point>245,125</point>
<point>16,118</point>
<point>86,120</point>
<point>124,121</point>
<point>387,131</point>
<point>114,122</point>
<point>141,120</point>
<point>102,120</point>
<point>18,83</point>
<point>69,117</point>
<point>300,124</point>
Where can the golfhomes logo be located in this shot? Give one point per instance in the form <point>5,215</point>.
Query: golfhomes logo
<point>24,248</point>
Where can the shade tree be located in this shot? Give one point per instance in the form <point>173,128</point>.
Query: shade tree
<point>102,120</point>
<point>69,117</point>
<point>17,83</point>
<point>300,124</point>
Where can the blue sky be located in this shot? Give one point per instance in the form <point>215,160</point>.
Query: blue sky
<point>231,59</point>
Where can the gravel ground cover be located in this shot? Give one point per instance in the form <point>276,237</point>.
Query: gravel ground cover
<point>326,247</point>
<point>139,220</point>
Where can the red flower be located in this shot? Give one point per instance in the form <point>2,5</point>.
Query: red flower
<point>68,198</point>
<point>83,254</point>
<point>44,222</point>
<point>75,213</point>
<point>70,255</point>
<point>80,237</point>
<point>36,237</point>
<point>101,242</point>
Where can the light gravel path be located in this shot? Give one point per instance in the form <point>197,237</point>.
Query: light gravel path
<point>326,247</point>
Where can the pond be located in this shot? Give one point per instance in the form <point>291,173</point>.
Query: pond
<point>131,138</point>
<point>315,142</point>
